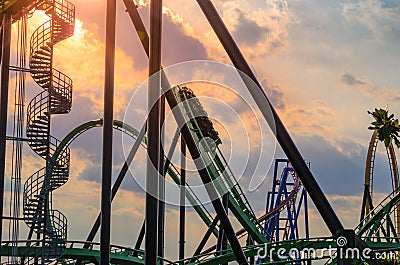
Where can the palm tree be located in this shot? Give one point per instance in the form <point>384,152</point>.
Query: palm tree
<point>388,131</point>
<point>387,127</point>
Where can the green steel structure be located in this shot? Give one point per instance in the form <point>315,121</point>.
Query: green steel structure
<point>125,255</point>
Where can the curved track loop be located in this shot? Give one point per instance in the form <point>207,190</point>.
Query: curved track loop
<point>133,133</point>
<point>49,224</point>
<point>369,178</point>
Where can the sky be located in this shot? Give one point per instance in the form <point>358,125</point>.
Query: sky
<point>323,64</point>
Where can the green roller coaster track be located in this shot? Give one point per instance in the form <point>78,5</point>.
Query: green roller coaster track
<point>124,255</point>
<point>238,207</point>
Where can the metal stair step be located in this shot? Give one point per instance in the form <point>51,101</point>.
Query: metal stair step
<point>34,144</point>
<point>43,81</point>
<point>38,126</point>
<point>36,135</point>
<point>43,117</point>
<point>58,111</point>
<point>59,96</point>
<point>41,76</point>
<point>43,153</point>
<point>39,149</point>
<point>39,62</point>
<point>44,52</point>
<point>35,201</point>
<point>36,130</point>
<point>39,121</point>
<point>46,48</point>
<point>39,68</point>
<point>39,71</point>
<point>46,86</point>
<point>40,57</point>
<point>60,175</point>
<point>58,182</point>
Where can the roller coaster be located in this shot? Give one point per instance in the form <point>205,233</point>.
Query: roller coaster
<point>270,238</point>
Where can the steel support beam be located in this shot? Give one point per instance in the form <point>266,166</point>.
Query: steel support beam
<point>107,134</point>
<point>138,24</point>
<point>182,207</point>
<point>5,63</point>
<point>141,235</point>
<point>321,202</point>
<point>222,243</point>
<point>161,188</point>
<point>205,238</point>
<point>153,135</point>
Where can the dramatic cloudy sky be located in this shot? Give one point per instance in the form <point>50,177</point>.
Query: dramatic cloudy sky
<point>323,64</point>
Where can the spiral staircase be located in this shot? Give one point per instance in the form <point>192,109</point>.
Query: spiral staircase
<point>50,225</point>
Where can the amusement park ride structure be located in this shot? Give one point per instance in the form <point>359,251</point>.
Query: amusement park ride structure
<point>47,242</point>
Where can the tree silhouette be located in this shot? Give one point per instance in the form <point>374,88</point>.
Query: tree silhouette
<point>387,127</point>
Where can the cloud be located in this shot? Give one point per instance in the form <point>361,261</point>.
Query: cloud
<point>316,119</point>
<point>370,89</point>
<point>339,166</point>
<point>335,171</point>
<point>350,80</point>
<point>247,31</point>
<point>380,17</point>
<point>179,41</point>
<point>275,94</point>
<point>259,27</point>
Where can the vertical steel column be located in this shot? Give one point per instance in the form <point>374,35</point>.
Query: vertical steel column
<point>153,134</point>
<point>182,201</point>
<point>321,202</point>
<point>107,134</point>
<point>5,63</point>
<point>161,188</point>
